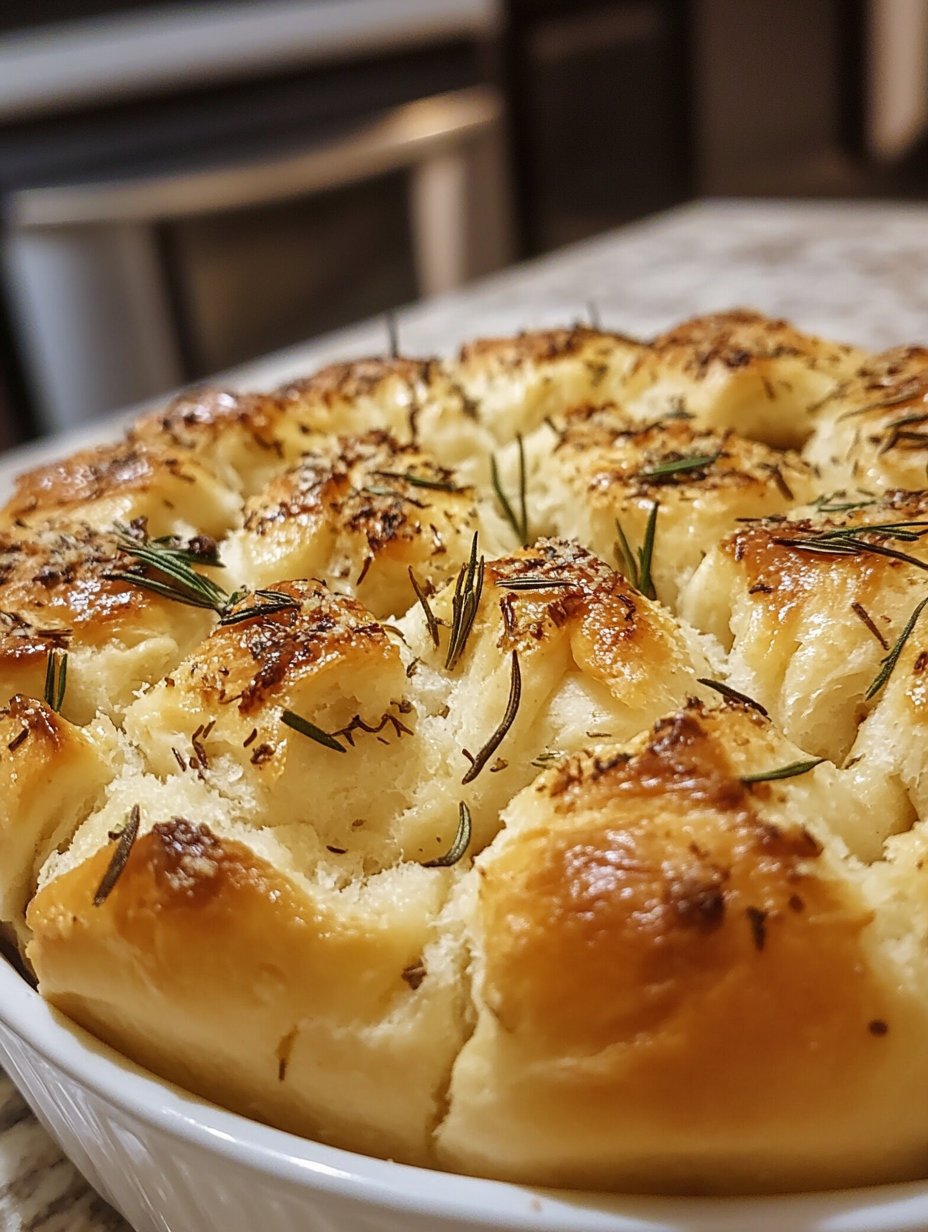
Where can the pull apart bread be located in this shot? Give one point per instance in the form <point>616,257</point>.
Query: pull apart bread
<point>511,764</point>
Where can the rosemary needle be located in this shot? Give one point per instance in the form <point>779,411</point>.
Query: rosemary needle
<point>56,679</point>
<point>518,521</point>
<point>512,709</point>
<point>732,694</point>
<point>125,840</point>
<point>420,481</point>
<point>305,728</point>
<point>459,846</point>
<point>792,771</point>
<point>890,661</point>
<point>679,466</point>
<point>532,582</point>
<point>430,618</point>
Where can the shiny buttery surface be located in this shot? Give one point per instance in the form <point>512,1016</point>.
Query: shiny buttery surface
<point>857,274</point>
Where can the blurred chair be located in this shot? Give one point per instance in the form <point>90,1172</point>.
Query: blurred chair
<point>108,314</point>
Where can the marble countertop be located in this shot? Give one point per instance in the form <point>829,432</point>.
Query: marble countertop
<point>858,273</point>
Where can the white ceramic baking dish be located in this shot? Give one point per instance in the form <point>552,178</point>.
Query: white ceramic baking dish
<point>173,1163</point>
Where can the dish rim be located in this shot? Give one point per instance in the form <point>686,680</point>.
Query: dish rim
<point>306,1164</point>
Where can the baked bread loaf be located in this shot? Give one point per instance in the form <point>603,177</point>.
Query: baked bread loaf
<point>512,763</point>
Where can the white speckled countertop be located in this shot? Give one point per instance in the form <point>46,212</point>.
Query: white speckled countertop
<point>858,273</point>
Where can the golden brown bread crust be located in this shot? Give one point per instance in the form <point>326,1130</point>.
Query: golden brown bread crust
<point>207,926</point>
<point>482,871</point>
<point>172,490</point>
<point>57,593</point>
<point>870,433</point>
<point>674,991</point>
<point>741,370</point>
<point>596,470</point>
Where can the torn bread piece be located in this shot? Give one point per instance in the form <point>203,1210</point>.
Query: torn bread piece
<point>52,775</point>
<point>522,660</point>
<point>741,370</point>
<point>171,491</point>
<point>681,982</point>
<point>808,607</point>
<point>359,513</point>
<point>512,384</point>
<point>80,591</point>
<point>189,937</point>
<point>871,434</point>
<point>597,476</point>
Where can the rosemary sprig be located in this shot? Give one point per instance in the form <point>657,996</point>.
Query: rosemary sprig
<point>532,582</point>
<point>56,679</point>
<point>393,334</point>
<point>884,530</point>
<point>828,504</point>
<point>890,661</point>
<point>460,844</point>
<point>420,481</point>
<point>793,770</point>
<point>178,581</point>
<point>904,395</point>
<point>518,522</point>
<point>430,618</point>
<point>638,568</point>
<point>905,421</point>
<point>305,728</point>
<point>181,582</point>
<point>270,601</point>
<point>125,839</point>
<point>512,709</point>
<point>467,591</point>
<point>679,466</point>
<point>732,694</point>
<point>847,542</point>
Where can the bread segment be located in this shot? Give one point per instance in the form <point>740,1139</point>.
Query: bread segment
<point>741,370</point>
<point>59,595</point>
<point>679,984</point>
<point>512,384</point>
<point>870,434</point>
<point>596,474</point>
<point>359,513</point>
<point>332,1013</point>
<point>808,615</point>
<point>170,491</point>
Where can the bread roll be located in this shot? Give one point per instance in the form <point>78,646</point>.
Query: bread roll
<point>739,370</point>
<point>595,474</point>
<point>870,433</point>
<point>809,606</point>
<point>332,1012</point>
<point>168,490</point>
<point>681,984</point>
<point>360,512</point>
<point>58,595</point>
<point>512,383</point>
